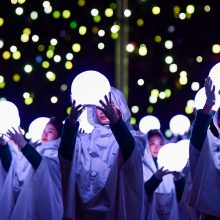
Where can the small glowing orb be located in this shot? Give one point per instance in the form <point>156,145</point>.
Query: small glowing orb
<point>200,99</point>
<point>9,116</point>
<point>215,76</point>
<point>36,128</point>
<point>173,156</point>
<point>89,87</point>
<point>149,122</point>
<point>179,124</point>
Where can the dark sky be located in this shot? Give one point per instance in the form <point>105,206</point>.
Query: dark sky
<point>191,38</point>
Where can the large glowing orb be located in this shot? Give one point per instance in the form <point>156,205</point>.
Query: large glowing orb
<point>149,122</point>
<point>174,156</point>
<point>9,116</point>
<point>179,124</point>
<point>89,87</point>
<point>36,128</point>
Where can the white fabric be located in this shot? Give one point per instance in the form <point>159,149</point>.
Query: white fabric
<point>204,190</point>
<point>33,194</point>
<point>104,186</point>
<point>163,204</point>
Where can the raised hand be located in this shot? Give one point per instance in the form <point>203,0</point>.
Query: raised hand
<point>75,112</point>
<point>210,92</point>
<point>2,140</point>
<point>161,173</point>
<point>109,109</point>
<point>17,137</point>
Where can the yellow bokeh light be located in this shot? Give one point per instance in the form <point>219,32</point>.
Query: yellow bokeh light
<point>41,48</point>
<point>108,12</point>
<point>81,3</point>
<point>2,85</point>
<point>45,64</point>
<point>68,65</point>
<point>50,54</point>
<point>28,101</point>
<point>27,31</point>
<point>190,9</point>
<point>66,14</point>
<point>133,121</point>
<point>189,110</point>
<point>24,38</point>
<point>82,30</point>
<point>16,55</point>
<point>76,47</point>
<point>157,38</point>
<point>140,22</point>
<point>21,1</point>
<point>142,50</point>
<point>97,18</point>
<point>199,59</point>
<point>156,10</point>
<point>183,80</point>
<point>167,93</point>
<point>150,109</point>
<point>155,92</point>
<point>1,22</point>
<point>16,77</point>
<point>114,36</point>
<point>68,110</point>
<point>6,55</point>
<point>216,48</point>
<point>95,30</point>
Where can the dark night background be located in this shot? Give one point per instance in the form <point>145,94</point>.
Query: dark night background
<point>192,37</point>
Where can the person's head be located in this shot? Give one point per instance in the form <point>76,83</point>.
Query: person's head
<point>155,141</point>
<point>52,130</point>
<point>102,119</point>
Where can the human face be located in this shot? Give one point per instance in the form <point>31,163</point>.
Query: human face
<point>155,143</point>
<point>102,119</point>
<point>49,134</point>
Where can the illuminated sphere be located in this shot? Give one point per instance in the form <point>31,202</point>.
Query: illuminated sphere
<point>149,122</point>
<point>215,76</point>
<point>170,157</point>
<point>89,87</point>
<point>9,116</point>
<point>84,123</point>
<point>200,99</point>
<point>179,124</point>
<point>36,128</point>
<point>183,152</point>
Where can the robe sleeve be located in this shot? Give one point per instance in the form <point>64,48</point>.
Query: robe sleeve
<point>32,155</point>
<point>151,185</point>
<point>124,138</point>
<point>68,140</point>
<point>6,157</point>
<point>200,128</point>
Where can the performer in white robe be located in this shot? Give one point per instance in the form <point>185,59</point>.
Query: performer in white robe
<point>106,179</point>
<point>204,179</point>
<point>32,189</point>
<point>159,183</point>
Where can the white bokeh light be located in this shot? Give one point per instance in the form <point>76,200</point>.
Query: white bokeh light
<point>89,87</point>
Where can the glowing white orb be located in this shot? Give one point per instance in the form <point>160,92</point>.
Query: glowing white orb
<point>89,87</point>
<point>200,99</point>
<point>149,122</point>
<point>84,124</point>
<point>9,116</point>
<point>215,76</point>
<point>173,156</point>
<point>179,124</point>
<point>36,128</point>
